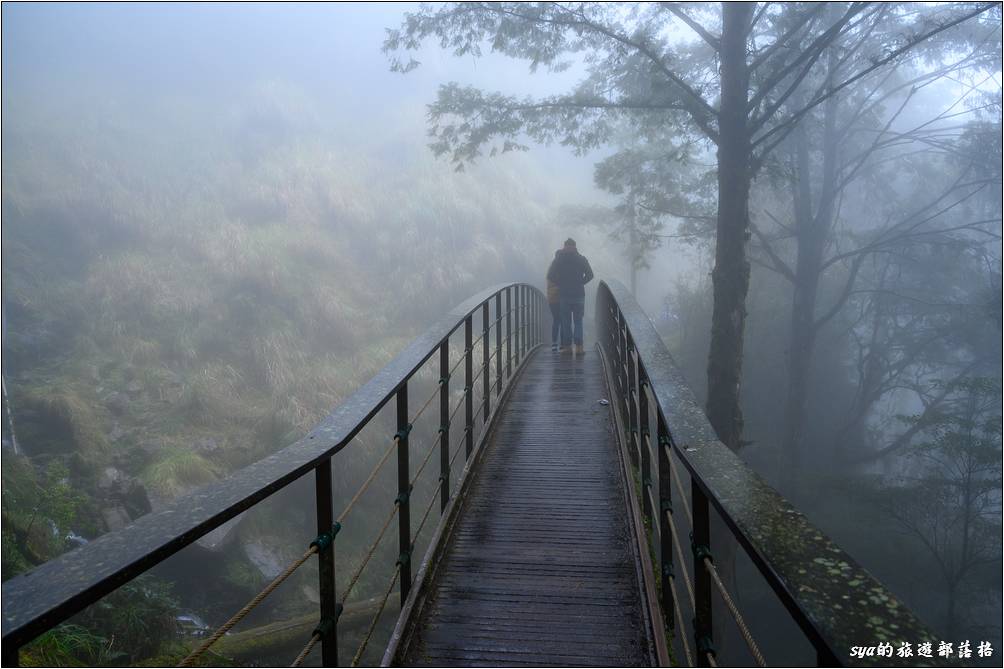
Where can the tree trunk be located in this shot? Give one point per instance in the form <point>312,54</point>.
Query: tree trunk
<point>732,271</point>
<point>812,231</point>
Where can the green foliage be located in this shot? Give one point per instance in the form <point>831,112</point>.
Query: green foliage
<point>226,295</point>
<point>177,469</point>
<point>135,622</point>
<point>66,645</point>
<point>39,507</point>
<point>139,616</point>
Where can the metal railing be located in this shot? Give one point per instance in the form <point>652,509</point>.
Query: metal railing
<point>835,602</point>
<point>39,600</point>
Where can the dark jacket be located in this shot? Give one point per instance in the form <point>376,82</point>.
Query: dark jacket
<point>571,271</point>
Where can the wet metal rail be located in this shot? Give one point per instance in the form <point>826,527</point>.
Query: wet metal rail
<point>835,602</point>
<point>541,565</point>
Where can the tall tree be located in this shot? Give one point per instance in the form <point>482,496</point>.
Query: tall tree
<point>859,147</point>
<point>952,503</point>
<point>732,86</point>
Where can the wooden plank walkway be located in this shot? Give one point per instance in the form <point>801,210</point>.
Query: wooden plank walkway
<point>541,568</point>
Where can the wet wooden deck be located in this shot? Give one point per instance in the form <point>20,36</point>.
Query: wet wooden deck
<point>540,568</point>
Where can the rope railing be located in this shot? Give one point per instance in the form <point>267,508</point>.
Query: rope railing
<point>716,579</point>
<point>679,616</point>
<point>679,484</point>
<point>428,509</point>
<point>428,457</point>
<point>679,555</point>
<point>630,385</point>
<point>366,484</point>
<point>458,451</point>
<point>369,556</point>
<point>743,629</point>
<point>376,618</point>
<point>481,337</point>
<point>425,516</point>
<point>247,608</point>
<point>306,650</point>
<point>418,414</point>
<point>459,406</point>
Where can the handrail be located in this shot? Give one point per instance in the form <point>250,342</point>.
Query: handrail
<point>42,598</point>
<point>835,602</point>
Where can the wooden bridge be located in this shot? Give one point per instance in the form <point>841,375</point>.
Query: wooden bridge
<point>578,531</point>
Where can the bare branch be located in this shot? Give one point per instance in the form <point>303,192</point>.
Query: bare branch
<point>811,53</point>
<point>713,41</point>
<point>844,295</point>
<point>781,41</point>
<point>779,265</point>
<point>785,127</point>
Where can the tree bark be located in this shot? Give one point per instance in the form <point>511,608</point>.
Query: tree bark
<point>730,276</point>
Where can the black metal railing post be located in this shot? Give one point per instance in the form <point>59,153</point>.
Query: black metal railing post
<point>631,395</point>
<point>603,322</point>
<point>508,333</point>
<point>468,388</point>
<point>622,355</point>
<point>524,331</point>
<point>403,490</point>
<point>485,381</point>
<point>326,565</point>
<point>531,318</point>
<point>444,424</point>
<point>665,532</point>
<point>538,331</point>
<point>645,443</point>
<point>615,343</point>
<point>701,546</point>
<point>498,345</point>
<point>518,348</point>
<point>527,319</point>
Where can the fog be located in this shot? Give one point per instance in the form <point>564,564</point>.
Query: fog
<point>219,220</point>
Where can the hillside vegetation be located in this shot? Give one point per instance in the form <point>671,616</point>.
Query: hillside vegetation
<point>188,288</point>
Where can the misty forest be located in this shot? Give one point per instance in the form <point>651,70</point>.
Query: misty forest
<point>221,220</point>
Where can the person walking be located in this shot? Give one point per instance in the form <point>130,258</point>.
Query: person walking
<point>570,271</point>
<point>554,302</point>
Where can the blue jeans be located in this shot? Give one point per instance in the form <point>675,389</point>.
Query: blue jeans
<point>555,322</point>
<point>571,320</point>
